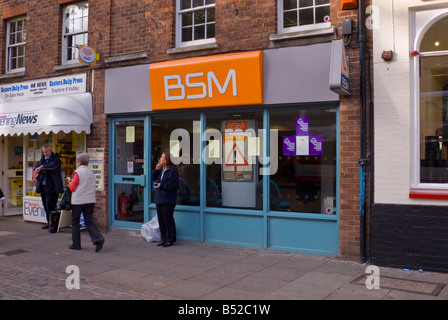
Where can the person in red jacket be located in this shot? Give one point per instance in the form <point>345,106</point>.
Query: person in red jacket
<point>83,199</point>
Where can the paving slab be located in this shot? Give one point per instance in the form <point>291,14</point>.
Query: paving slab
<point>33,265</point>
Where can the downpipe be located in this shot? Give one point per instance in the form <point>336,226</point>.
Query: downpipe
<point>363,161</point>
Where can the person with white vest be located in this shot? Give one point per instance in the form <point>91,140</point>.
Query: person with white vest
<point>83,187</point>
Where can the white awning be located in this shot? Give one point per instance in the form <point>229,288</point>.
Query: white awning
<point>44,115</point>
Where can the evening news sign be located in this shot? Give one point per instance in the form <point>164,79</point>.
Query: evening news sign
<point>221,80</point>
<point>33,210</point>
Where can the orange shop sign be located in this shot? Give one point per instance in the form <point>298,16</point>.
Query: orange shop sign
<point>214,81</point>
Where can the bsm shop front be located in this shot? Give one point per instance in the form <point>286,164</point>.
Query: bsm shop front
<point>254,135</point>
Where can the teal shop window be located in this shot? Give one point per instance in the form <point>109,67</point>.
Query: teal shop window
<point>231,151</point>
<point>176,134</point>
<point>305,180</point>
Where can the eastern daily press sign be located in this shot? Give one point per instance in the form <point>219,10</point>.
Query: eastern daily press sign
<point>43,88</point>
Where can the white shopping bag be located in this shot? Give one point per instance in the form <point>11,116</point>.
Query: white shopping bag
<point>150,231</point>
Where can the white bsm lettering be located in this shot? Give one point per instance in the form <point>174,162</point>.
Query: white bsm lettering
<point>211,78</point>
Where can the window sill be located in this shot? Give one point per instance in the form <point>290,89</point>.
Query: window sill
<point>13,75</point>
<point>207,46</point>
<point>303,34</point>
<point>70,66</point>
<point>127,57</point>
<point>428,194</point>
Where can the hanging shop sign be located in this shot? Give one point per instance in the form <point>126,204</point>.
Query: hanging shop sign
<point>213,81</point>
<point>43,88</point>
<point>88,55</point>
<point>339,69</point>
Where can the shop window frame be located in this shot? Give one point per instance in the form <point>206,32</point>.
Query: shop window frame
<point>66,35</point>
<point>10,47</point>
<point>418,189</point>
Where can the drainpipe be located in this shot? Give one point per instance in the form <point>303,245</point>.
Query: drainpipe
<point>363,160</point>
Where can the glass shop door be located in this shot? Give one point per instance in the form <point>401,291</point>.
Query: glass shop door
<point>127,198</point>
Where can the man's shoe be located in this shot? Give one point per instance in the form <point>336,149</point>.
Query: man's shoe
<point>169,244</point>
<point>74,248</point>
<point>160,244</point>
<point>45,226</point>
<point>99,246</point>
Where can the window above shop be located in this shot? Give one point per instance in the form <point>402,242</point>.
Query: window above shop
<point>195,22</point>
<point>75,30</point>
<point>303,16</point>
<point>15,45</point>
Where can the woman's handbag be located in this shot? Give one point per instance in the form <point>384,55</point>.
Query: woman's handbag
<point>66,203</point>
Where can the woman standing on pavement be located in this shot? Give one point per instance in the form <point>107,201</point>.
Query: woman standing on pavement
<point>83,187</point>
<point>166,181</point>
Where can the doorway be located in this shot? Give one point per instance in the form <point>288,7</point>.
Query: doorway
<point>129,173</point>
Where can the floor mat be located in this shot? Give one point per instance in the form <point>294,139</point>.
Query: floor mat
<point>419,287</point>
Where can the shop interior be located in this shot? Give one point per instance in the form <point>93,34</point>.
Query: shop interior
<point>20,154</point>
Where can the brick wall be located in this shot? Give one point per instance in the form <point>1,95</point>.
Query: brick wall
<point>410,236</point>
<point>122,27</point>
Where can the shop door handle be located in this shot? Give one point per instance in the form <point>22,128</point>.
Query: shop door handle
<point>140,180</point>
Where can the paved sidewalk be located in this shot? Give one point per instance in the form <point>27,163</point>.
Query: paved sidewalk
<point>33,265</point>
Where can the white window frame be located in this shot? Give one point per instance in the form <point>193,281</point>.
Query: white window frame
<point>310,27</point>
<point>419,27</point>
<point>9,45</point>
<point>179,13</point>
<point>65,35</point>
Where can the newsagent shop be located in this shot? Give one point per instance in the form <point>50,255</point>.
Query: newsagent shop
<point>55,110</point>
<point>254,135</point>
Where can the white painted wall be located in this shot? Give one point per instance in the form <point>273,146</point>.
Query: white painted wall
<point>393,98</point>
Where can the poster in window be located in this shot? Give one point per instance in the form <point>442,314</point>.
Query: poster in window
<point>316,145</point>
<point>289,146</point>
<point>302,126</point>
<point>302,145</point>
<point>235,155</point>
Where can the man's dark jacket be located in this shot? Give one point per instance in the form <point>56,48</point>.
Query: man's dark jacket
<point>51,167</point>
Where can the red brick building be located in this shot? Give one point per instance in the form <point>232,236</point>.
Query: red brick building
<point>317,208</point>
